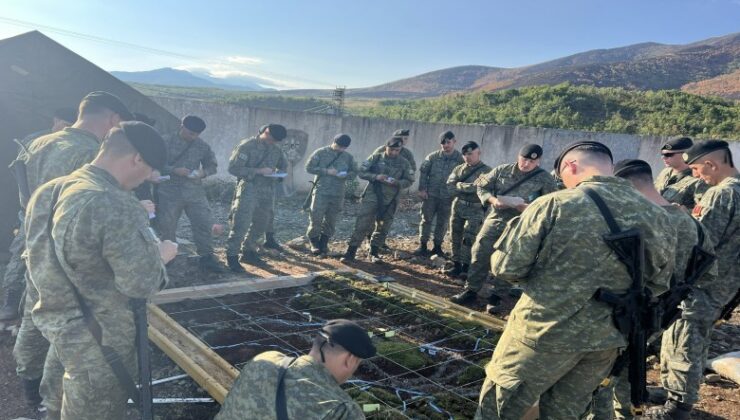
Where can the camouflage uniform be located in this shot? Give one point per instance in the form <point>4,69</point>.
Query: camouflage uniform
<point>50,156</point>
<point>559,342</point>
<point>255,194</point>
<point>409,156</point>
<point>327,199</point>
<point>433,175</point>
<point>491,185</point>
<point>105,253</point>
<point>184,193</point>
<point>311,392</point>
<point>467,210</point>
<point>680,187</point>
<point>367,218</point>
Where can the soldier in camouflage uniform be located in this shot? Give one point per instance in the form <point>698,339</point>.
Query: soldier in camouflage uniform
<point>331,166</point>
<point>253,162</point>
<point>404,135</point>
<point>100,254</point>
<point>436,199</point>
<point>49,157</point>
<point>508,189</point>
<point>310,384</point>
<point>387,174</point>
<point>13,282</point>
<point>684,347</point>
<point>467,211</point>
<point>560,342</point>
<point>190,159</point>
<point>675,182</point>
<point>685,342</point>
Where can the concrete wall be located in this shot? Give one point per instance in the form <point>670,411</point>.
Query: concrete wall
<point>228,124</point>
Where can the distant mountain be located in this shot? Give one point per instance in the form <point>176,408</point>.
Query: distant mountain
<point>645,66</point>
<point>726,86</point>
<point>173,77</point>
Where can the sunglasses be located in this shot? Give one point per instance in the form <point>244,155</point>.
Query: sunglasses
<point>667,155</point>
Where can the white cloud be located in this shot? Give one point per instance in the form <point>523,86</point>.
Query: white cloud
<point>241,59</point>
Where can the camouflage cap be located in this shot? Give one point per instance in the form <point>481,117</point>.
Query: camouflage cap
<point>350,336</point>
<point>702,148</point>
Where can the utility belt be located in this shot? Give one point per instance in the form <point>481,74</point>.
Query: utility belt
<point>469,203</point>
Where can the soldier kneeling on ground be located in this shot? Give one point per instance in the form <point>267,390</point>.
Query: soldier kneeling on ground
<point>276,386</point>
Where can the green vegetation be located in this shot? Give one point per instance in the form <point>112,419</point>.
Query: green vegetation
<point>565,106</point>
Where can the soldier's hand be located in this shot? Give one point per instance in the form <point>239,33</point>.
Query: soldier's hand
<point>265,171</point>
<point>181,171</point>
<point>331,171</point>
<point>148,206</point>
<point>167,250</point>
<point>381,178</point>
<point>423,194</point>
<point>521,207</point>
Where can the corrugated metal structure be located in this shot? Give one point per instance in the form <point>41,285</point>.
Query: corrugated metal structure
<point>37,76</point>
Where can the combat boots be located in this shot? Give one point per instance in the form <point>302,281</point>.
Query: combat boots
<point>271,243</point>
<point>209,263</point>
<point>437,250</point>
<point>672,410</point>
<point>455,270</point>
<point>375,255</point>
<point>422,250</point>
<point>251,257</point>
<point>349,255</point>
<point>232,261</point>
<point>11,302</point>
<point>315,245</point>
<point>466,296</point>
<point>31,392</point>
<point>464,271</point>
<point>323,245</point>
<point>493,302</point>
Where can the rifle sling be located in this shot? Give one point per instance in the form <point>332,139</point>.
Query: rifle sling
<point>181,154</point>
<point>604,209</point>
<point>281,404</point>
<point>475,171</point>
<point>526,178</point>
<point>111,356</point>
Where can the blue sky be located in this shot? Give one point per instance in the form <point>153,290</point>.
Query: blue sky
<point>324,43</point>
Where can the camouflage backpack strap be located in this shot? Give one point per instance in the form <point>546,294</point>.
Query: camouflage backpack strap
<point>281,405</point>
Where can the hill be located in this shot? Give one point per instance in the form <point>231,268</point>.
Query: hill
<point>726,86</point>
<point>173,77</point>
<point>569,106</point>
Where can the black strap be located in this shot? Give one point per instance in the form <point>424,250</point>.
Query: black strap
<point>110,355</point>
<point>605,212</point>
<point>281,404</point>
<point>476,170</point>
<point>181,154</point>
<point>526,178</point>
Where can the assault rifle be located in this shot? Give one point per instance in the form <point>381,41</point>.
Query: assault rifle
<point>731,305</point>
<point>18,169</point>
<point>142,352</point>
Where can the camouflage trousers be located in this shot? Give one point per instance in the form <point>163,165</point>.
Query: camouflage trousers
<point>431,208</point>
<point>465,223</point>
<point>176,198</point>
<point>482,250</point>
<point>90,388</point>
<point>250,213</point>
<point>366,222</point>
<point>14,278</point>
<point>612,401</point>
<point>518,376</point>
<point>322,218</point>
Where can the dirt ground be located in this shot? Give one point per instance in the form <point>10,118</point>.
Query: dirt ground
<point>719,400</point>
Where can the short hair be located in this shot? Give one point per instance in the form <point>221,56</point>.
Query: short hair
<point>91,108</point>
<point>728,158</point>
<point>329,347</point>
<point>116,144</point>
<point>594,154</point>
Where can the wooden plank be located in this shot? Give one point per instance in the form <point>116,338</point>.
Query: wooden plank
<point>234,287</point>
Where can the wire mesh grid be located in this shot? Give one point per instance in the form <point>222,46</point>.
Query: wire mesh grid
<point>427,366</point>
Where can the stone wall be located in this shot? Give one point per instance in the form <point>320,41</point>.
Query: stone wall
<point>228,124</point>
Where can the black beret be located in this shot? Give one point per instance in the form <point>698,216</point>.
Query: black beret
<point>531,151</point>
<point>342,140</point>
<point>593,146</point>
<point>144,118</point>
<point>627,167</point>
<point>469,147</point>
<point>66,114</point>
<point>277,131</point>
<point>109,101</point>
<point>402,132</point>
<point>679,143</point>
<point>447,135</point>
<point>147,142</point>
<point>394,142</point>
<point>702,148</point>
<point>193,123</point>
<point>350,336</point>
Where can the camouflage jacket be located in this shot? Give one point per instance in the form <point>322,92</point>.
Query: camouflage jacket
<point>396,168</point>
<point>405,153</point>
<point>504,176</point>
<point>310,392</point>
<point>468,190</point>
<point>719,213</point>
<point>434,171</point>
<point>252,154</point>
<point>680,187</point>
<point>103,247</point>
<point>687,238</point>
<point>183,154</point>
<point>58,154</point>
<point>326,158</point>
<point>557,253</point>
